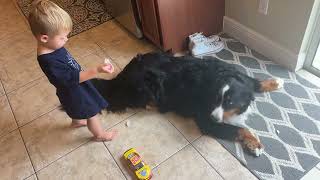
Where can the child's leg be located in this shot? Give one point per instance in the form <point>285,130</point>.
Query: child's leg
<point>99,133</point>
<point>78,123</point>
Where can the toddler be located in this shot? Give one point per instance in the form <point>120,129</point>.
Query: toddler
<point>51,25</point>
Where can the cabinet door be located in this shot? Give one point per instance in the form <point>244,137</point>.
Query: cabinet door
<point>180,18</point>
<point>148,11</point>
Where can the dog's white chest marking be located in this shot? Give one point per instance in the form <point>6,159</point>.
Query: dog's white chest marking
<point>217,113</point>
<point>239,120</point>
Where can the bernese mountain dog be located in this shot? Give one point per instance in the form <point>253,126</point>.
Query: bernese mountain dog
<point>211,91</point>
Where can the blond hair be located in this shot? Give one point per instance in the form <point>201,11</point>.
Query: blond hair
<point>48,18</point>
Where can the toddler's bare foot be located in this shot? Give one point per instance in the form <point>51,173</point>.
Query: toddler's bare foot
<point>78,123</point>
<point>106,136</point>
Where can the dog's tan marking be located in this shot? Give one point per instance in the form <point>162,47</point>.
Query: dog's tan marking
<point>230,113</point>
<point>271,85</point>
<point>249,141</point>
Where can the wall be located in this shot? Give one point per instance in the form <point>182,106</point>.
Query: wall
<point>285,23</point>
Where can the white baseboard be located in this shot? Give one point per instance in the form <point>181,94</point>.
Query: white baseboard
<point>309,76</point>
<point>261,44</point>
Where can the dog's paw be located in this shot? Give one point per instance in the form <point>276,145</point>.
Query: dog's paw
<point>271,85</point>
<point>279,82</point>
<point>250,142</point>
<point>253,145</point>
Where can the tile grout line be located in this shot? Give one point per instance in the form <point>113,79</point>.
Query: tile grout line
<point>77,147</point>
<point>108,148</point>
<point>12,34</point>
<point>43,75</point>
<point>240,161</point>
<point>20,87</point>
<point>5,95</point>
<point>191,143</point>
<point>160,162</point>
<point>82,144</point>
<point>114,157</point>
<point>41,115</point>
<point>208,162</point>
<point>30,176</point>
<point>109,56</point>
<point>8,36</point>
<point>165,160</point>
<point>29,122</point>
<point>24,143</point>
<point>18,128</point>
<point>115,160</point>
<point>36,79</point>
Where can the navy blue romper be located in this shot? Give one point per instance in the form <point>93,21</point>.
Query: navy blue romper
<point>80,100</point>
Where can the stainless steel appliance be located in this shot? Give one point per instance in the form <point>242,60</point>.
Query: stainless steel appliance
<point>125,12</point>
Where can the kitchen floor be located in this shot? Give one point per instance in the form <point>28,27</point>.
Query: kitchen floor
<point>37,143</point>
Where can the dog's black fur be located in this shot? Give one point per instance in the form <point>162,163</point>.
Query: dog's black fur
<point>186,85</point>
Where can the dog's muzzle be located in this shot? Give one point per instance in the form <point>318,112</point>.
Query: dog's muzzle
<point>217,115</point>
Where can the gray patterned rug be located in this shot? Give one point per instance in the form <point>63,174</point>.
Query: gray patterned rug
<point>85,14</point>
<point>287,121</point>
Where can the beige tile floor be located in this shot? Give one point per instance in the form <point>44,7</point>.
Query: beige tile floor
<point>37,143</point>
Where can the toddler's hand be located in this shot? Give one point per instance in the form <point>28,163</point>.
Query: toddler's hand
<point>106,68</point>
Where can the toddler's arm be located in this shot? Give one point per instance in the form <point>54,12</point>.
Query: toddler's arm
<point>91,73</point>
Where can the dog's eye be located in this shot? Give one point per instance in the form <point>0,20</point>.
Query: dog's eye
<point>228,100</point>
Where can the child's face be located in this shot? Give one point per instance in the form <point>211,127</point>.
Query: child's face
<point>56,41</point>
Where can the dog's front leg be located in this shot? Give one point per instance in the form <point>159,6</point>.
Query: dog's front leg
<point>233,133</point>
<point>249,141</point>
<point>271,85</point>
<point>261,86</point>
